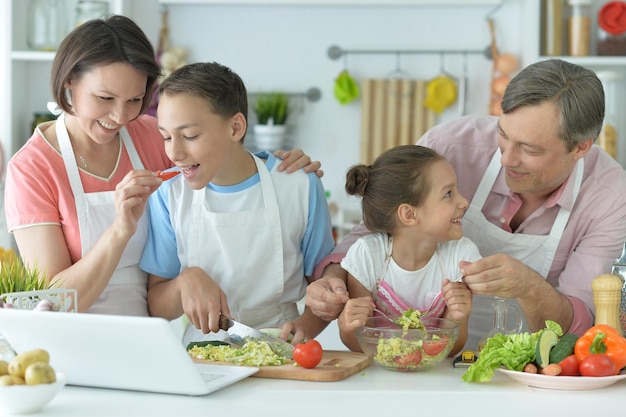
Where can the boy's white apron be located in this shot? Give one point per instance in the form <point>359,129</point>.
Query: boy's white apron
<point>535,251</point>
<point>127,289</point>
<point>254,294</point>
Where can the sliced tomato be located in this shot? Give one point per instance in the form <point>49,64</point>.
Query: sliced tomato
<point>569,366</point>
<point>434,347</point>
<point>167,175</point>
<point>597,364</point>
<point>409,360</point>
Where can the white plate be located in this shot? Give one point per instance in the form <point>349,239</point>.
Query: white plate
<point>562,382</point>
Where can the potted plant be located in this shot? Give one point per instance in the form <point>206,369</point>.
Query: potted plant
<point>26,287</point>
<point>272,110</point>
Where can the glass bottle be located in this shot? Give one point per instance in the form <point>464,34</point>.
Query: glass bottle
<point>88,10</point>
<point>579,27</point>
<point>607,139</point>
<point>47,25</point>
<point>619,270</point>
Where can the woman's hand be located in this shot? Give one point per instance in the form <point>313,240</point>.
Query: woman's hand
<point>131,196</point>
<point>295,159</point>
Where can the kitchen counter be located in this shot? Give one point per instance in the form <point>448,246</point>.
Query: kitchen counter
<point>373,391</point>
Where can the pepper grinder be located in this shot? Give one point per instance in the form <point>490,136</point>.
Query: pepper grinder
<point>619,270</point>
<point>607,295</point>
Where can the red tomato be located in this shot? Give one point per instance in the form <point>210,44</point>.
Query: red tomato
<point>434,347</point>
<point>569,366</point>
<point>167,175</point>
<point>597,364</point>
<point>309,354</point>
<point>409,360</point>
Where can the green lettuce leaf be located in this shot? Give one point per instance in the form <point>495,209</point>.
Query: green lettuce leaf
<point>512,351</point>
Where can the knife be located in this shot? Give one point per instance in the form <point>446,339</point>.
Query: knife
<point>239,334</point>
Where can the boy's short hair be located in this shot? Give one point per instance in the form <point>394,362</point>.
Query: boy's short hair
<point>222,88</point>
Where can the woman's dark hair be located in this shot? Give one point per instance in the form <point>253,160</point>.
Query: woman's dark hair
<point>102,42</point>
<point>399,175</point>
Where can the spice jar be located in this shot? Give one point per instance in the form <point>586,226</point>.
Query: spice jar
<point>612,29</point>
<point>579,27</point>
<point>88,10</point>
<point>46,24</point>
<point>607,139</point>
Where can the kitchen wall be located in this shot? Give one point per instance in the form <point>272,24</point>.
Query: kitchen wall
<point>285,48</point>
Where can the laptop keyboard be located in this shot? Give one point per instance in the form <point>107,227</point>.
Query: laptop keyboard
<point>209,376</point>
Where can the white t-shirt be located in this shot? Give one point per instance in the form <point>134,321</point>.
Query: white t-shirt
<point>365,261</point>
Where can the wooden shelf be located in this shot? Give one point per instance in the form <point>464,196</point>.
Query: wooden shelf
<point>340,2</point>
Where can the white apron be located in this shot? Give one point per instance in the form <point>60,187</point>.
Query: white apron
<point>535,251</point>
<point>126,291</point>
<point>254,291</point>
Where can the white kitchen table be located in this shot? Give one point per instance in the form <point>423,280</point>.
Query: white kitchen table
<point>371,392</point>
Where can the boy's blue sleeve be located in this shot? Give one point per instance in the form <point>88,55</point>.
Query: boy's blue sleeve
<point>160,255</point>
<point>318,237</point>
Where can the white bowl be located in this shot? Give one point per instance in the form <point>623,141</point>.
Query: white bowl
<point>24,399</point>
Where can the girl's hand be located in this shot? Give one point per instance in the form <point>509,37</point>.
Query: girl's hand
<point>355,313</point>
<point>295,159</point>
<point>458,299</point>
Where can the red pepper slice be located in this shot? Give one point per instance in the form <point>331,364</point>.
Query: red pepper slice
<point>167,175</point>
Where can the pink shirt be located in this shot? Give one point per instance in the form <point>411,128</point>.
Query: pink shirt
<point>38,191</point>
<point>594,235</point>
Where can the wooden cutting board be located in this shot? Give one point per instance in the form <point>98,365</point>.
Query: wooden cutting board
<point>335,366</point>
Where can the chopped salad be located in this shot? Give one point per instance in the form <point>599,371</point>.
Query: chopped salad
<point>252,353</point>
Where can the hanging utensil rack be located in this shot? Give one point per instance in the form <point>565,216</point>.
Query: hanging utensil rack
<point>335,52</point>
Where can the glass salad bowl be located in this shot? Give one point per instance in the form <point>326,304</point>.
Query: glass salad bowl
<point>397,349</point>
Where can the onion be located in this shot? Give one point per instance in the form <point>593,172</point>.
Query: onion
<point>506,63</point>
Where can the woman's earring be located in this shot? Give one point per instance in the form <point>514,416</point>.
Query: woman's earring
<point>68,96</point>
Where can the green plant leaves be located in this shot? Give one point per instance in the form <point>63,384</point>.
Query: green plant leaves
<point>273,106</point>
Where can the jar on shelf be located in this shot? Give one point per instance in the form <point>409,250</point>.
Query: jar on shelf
<point>607,139</point>
<point>46,24</point>
<point>612,29</point>
<point>88,10</point>
<point>552,12</point>
<point>579,27</point>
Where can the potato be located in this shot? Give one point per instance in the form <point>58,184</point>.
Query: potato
<point>4,368</point>
<point>39,373</point>
<point>17,366</point>
<point>6,380</point>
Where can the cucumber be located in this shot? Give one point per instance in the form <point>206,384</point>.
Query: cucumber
<point>207,343</point>
<point>546,342</point>
<point>563,348</point>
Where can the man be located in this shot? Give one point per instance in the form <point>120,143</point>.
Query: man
<point>548,209</point>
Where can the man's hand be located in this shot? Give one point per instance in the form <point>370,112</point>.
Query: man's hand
<point>326,297</point>
<point>499,275</point>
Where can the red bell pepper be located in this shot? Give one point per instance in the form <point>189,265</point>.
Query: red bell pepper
<point>602,338</point>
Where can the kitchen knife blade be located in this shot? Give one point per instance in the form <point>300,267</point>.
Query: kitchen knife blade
<point>239,334</point>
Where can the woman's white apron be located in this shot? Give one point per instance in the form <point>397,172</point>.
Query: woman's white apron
<point>126,291</point>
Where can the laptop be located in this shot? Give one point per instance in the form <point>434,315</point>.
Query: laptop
<point>119,352</point>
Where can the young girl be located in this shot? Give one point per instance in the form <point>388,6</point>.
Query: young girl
<point>411,202</point>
